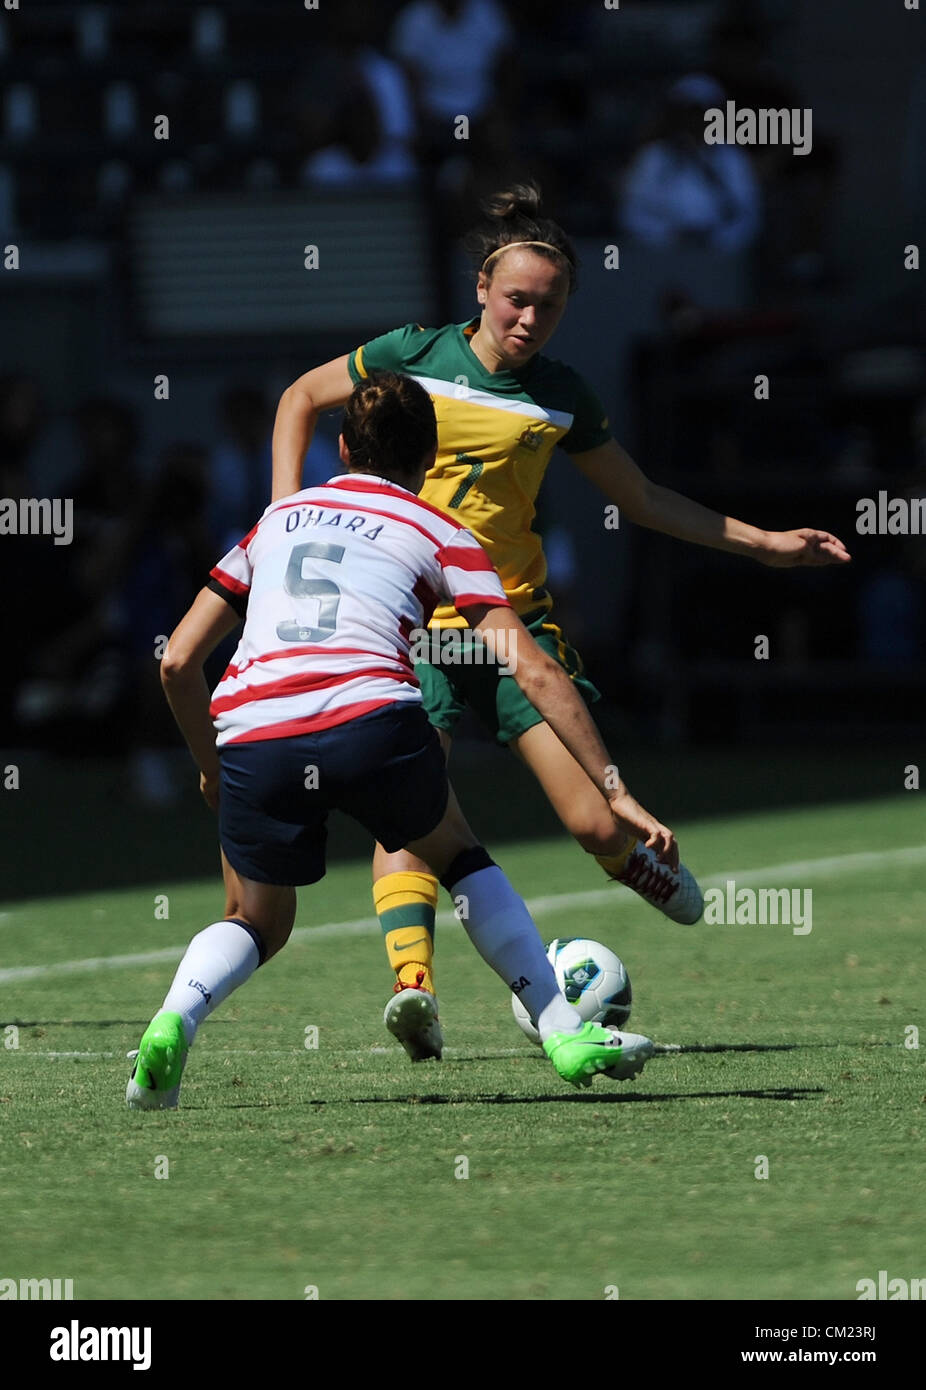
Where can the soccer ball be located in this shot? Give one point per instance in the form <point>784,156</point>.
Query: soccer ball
<point>591,977</point>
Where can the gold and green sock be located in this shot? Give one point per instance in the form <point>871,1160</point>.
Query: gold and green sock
<point>405,904</point>
<point>613,864</point>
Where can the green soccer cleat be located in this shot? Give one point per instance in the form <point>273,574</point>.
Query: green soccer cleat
<point>579,1056</point>
<point>162,1053</point>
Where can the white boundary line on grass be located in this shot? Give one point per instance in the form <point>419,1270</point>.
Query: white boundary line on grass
<point>538,907</point>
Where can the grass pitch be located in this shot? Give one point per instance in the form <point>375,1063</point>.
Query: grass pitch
<point>340,1168</point>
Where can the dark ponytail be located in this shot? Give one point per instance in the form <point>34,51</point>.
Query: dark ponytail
<point>514,215</point>
<point>389,426</point>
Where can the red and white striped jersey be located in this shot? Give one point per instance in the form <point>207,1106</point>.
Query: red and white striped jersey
<point>335,580</point>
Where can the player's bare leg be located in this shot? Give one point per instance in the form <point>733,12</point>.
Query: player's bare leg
<point>585,814</point>
<point>268,909</point>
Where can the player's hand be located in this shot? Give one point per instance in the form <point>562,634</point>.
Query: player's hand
<point>805,546</point>
<point>631,817</point>
<point>209,786</point>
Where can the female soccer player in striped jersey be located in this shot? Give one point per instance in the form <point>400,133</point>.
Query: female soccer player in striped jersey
<point>502,407</point>
<point>320,709</point>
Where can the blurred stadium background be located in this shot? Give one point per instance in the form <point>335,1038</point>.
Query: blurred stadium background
<point>142,258</point>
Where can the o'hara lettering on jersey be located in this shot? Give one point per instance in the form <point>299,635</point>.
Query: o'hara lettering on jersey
<point>330,620</point>
<point>301,517</point>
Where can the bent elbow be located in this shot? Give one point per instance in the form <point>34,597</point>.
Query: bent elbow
<point>173,668</point>
<point>297,397</point>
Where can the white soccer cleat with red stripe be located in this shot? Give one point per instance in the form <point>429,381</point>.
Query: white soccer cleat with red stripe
<point>675,893</point>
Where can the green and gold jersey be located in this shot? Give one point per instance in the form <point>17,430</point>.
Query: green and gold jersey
<point>496,432</point>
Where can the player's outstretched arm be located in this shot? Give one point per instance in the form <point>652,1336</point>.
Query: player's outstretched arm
<point>197,634</point>
<point>612,470</point>
<point>300,405</point>
<point>553,695</point>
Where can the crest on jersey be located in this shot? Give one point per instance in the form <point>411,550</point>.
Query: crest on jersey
<point>530,439</point>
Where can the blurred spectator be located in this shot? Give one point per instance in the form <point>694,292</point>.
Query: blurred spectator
<point>20,426</point>
<point>679,190</point>
<point>169,559</point>
<point>452,50</point>
<point>371,135</point>
<point>137,558</point>
<point>322,461</point>
<point>478,167</point>
<point>890,612</point>
<point>798,193</point>
<point>170,550</point>
<point>140,554</point>
<point>78,666</point>
<point>738,61</point>
<point>25,561</point>
<point>892,588</point>
<point>239,466</point>
<point>363,129</point>
<point>106,484</point>
<point>915,172</point>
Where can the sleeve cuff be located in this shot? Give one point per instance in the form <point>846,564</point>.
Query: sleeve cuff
<point>238,602</point>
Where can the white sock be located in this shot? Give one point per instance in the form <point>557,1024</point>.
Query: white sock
<point>217,960</point>
<point>559,1016</point>
<point>503,932</point>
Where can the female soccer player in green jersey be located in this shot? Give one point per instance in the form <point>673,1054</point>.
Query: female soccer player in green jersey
<point>501,409</point>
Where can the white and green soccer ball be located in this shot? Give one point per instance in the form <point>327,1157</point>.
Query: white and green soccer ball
<point>591,977</point>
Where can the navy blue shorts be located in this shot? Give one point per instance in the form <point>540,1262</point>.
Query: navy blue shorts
<point>386,769</point>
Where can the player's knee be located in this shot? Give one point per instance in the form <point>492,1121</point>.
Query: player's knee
<point>470,860</point>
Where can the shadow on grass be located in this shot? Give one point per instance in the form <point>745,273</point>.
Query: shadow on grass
<point>75,1022</point>
<point>569,1098</point>
<point>777,1093</point>
<point>681,1049</point>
